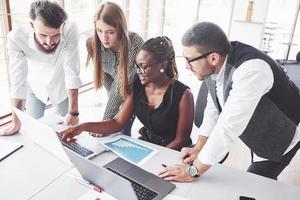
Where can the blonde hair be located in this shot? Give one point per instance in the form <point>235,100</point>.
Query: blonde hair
<point>112,15</point>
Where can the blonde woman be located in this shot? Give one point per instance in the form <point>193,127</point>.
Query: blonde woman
<point>113,49</point>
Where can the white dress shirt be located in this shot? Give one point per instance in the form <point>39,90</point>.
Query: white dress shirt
<point>49,75</point>
<point>251,81</point>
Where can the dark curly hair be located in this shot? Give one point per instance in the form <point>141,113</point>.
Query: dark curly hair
<point>52,14</point>
<point>162,50</point>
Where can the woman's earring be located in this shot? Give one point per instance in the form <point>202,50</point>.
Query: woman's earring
<point>162,70</point>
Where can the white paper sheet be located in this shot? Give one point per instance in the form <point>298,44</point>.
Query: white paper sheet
<point>130,150</point>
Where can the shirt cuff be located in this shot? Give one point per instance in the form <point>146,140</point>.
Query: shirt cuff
<point>207,159</point>
<point>18,93</point>
<point>73,83</point>
<point>215,149</point>
<point>205,130</point>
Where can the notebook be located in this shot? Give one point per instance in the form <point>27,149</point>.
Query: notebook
<point>7,148</point>
<point>122,179</point>
<point>48,139</point>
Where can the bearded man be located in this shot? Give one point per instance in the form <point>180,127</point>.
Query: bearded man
<point>44,65</point>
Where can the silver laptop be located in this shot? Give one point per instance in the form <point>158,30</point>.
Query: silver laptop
<point>48,139</point>
<point>122,179</point>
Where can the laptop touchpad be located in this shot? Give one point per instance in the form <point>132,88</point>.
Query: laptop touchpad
<point>138,175</point>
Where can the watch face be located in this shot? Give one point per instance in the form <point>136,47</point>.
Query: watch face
<point>192,171</point>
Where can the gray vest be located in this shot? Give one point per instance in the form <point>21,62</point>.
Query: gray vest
<point>275,119</point>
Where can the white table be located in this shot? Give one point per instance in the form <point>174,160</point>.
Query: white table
<point>28,171</point>
<point>222,182</point>
<point>33,173</point>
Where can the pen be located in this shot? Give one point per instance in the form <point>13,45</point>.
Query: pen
<point>11,152</point>
<point>163,165</point>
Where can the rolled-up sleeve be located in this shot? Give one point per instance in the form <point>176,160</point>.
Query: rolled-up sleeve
<point>72,61</point>
<point>18,69</point>
<point>210,118</point>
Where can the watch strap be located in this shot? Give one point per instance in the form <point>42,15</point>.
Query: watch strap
<point>74,114</point>
<point>195,175</point>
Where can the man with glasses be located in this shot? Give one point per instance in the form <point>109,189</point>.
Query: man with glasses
<point>44,64</point>
<point>250,97</point>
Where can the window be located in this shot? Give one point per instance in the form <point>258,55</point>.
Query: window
<point>19,12</point>
<point>223,8</point>
<point>4,91</point>
<point>295,48</point>
<point>82,13</point>
<point>175,24</point>
<point>283,14</point>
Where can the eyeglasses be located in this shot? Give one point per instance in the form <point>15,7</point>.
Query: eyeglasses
<point>142,67</point>
<point>198,58</point>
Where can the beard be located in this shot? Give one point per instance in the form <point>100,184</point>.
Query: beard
<point>43,49</point>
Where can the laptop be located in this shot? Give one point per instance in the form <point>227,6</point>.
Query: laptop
<point>48,139</point>
<point>122,179</point>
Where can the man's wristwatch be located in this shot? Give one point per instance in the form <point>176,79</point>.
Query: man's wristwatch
<point>193,171</point>
<point>74,114</point>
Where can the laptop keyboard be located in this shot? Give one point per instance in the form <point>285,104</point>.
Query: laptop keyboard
<point>81,150</point>
<point>141,191</point>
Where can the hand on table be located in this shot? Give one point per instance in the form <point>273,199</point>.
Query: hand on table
<point>176,173</point>
<point>12,128</point>
<point>188,155</point>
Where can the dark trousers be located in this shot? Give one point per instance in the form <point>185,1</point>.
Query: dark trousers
<point>272,169</point>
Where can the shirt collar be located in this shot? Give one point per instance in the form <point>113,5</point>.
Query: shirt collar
<point>107,50</point>
<point>220,76</point>
<point>31,42</point>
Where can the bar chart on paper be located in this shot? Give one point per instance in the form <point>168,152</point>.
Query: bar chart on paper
<point>130,150</point>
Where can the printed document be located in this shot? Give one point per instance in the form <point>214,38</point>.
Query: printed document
<point>130,150</point>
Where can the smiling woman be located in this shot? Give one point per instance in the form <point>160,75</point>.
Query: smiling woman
<point>163,104</point>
